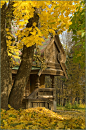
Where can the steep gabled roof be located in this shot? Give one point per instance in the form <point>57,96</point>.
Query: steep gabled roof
<point>60,47</point>
<point>47,42</point>
<point>61,50</point>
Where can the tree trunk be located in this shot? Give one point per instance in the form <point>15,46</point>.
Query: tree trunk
<point>73,100</point>
<point>21,79</point>
<point>5,66</point>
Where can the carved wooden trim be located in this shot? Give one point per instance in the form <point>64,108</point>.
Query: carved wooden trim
<point>52,64</point>
<point>53,72</point>
<point>14,71</point>
<point>64,70</point>
<point>61,58</point>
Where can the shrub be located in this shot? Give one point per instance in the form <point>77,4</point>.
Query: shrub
<point>68,105</point>
<point>81,105</point>
<point>75,105</point>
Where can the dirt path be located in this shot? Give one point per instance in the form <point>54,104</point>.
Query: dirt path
<point>76,114</point>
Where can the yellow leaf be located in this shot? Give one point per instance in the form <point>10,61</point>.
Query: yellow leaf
<point>7,29</point>
<point>78,32</point>
<point>9,106</point>
<point>9,37</point>
<point>22,23</point>
<point>70,23</point>
<point>33,33</point>
<point>34,24</point>
<point>9,54</point>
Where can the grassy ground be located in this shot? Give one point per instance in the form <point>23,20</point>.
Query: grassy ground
<point>70,109</point>
<point>71,112</point>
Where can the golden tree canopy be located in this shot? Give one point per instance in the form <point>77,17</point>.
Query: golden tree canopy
<point>53,15</point>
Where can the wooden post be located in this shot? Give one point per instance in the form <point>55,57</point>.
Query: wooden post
<point>54,105</point>
<point>28,104</point>
<point>46,106</point>
<point>37,82</point>
<point>53,85</point>
<point>54,93</point>
<point>24,92</point>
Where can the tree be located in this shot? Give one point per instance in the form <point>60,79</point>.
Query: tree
<point>76,82</point>
<point>28,15</point>
<point>66,39</point>
<point>4,62</point>
<point>78,29</point>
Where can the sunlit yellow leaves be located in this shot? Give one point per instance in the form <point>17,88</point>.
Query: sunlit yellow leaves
<point>38,32</point>
<point>44,16</point>
<point>16,4</point>
<point>9,106</point>
<point>5,123</point>
<point>34,24</point>
<point>24,10</point>
<point>52,31</point>
<point>37,118</point>
<point>20,45</point>
<point>7,29</point>
<point>34,32</point>
<point>9,54</point>
<point>9,37</point>
<point>79,32</point>
<point>22,22</point>
<point>69,22</point>
<point>8,42</point>
<point>33,3</point>
<point>3,2</point>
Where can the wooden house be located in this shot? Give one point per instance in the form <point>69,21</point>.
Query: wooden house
<point>36,94</point>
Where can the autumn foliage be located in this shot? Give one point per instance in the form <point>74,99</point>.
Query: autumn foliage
<point>38,118</point>
<point>51,18</point>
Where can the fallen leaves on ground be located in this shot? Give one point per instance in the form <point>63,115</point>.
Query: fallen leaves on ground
<point>38,118</point>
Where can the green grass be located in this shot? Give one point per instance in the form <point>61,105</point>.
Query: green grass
<point>70,107</point>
